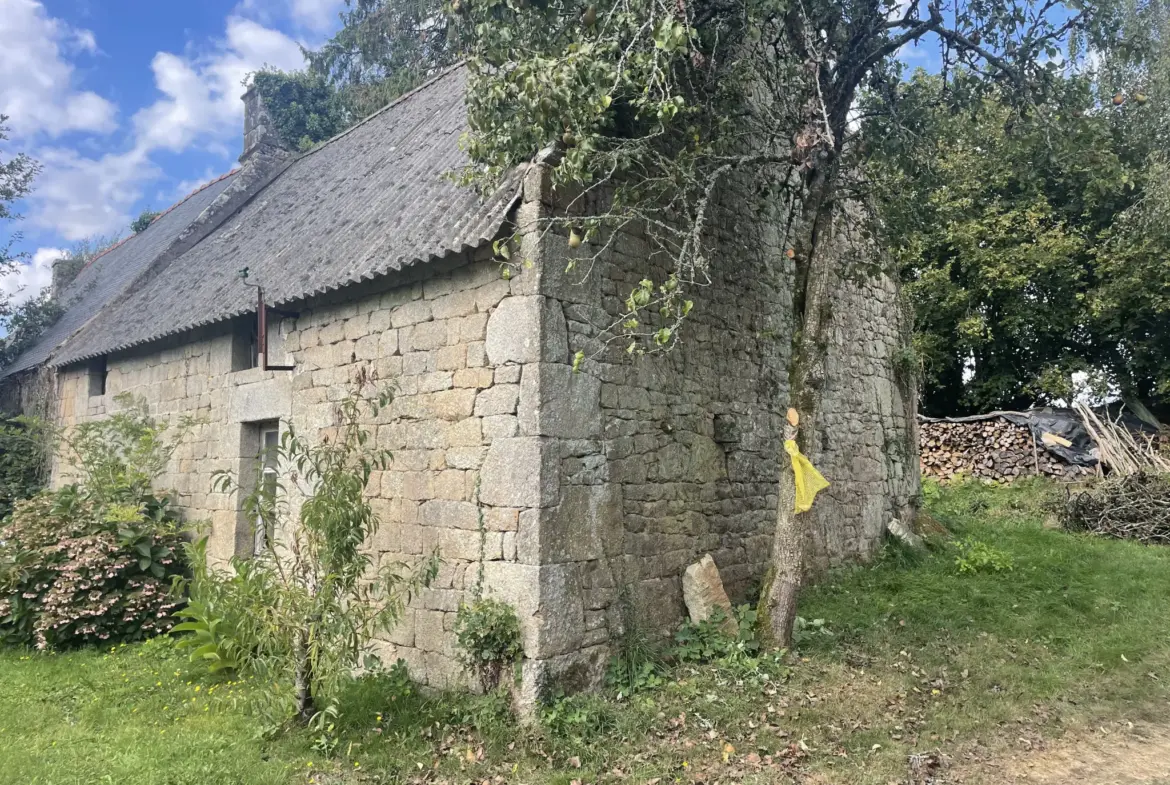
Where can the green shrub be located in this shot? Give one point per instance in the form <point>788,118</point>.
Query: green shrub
<point>216,637</point>
<point>93,563</point>
<point>706,641</point>
<point>307,608</point>
<point>23,461</point>
<point>977,556</point>
<point>487,633</point>
<point>628,677</point>
<point>805,630</point>
<point>575,721</point>
<point>118,458</point>
<point>79,573</point>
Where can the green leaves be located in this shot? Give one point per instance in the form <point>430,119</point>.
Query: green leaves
<point>487,632</point>
<point>671,35</point>
<point>24,457</point>
<point>304,107</point>
<point>1010,227</point>
<point>78,573</point>
<point>212,637</point>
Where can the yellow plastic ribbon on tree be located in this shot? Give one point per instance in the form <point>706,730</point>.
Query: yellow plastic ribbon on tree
<point>809,482</point>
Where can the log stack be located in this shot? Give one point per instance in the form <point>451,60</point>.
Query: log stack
<point>991,449</point>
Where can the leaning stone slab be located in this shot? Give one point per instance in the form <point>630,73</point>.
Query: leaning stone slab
<point>703,592</point>
<point>899,529</point>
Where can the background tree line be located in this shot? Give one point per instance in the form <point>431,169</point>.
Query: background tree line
<point>1033,238</point>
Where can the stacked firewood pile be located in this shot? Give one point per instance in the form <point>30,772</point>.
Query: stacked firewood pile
<point>993,449</point>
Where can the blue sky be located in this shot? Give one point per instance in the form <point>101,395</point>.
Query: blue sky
<point>131,104</point>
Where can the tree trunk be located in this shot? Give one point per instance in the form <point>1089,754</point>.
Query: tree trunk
<point>303,679</point>
<point>777,612</point>
<point>816,274</point>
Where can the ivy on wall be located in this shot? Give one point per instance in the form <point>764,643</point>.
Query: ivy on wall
<point>304,108</point>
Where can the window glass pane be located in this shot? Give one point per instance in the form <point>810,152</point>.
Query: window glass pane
<point>269,441</point>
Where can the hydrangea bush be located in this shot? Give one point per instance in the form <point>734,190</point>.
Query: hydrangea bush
<point>83,575</point>
<point>94,563</point>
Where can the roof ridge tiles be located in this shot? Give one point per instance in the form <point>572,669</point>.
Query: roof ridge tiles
<point>381,110</point>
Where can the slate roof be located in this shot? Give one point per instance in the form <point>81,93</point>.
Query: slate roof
<point>112,272</point>
<point>370,201</point>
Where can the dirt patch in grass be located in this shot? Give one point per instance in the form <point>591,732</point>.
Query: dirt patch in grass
<point>1117,753</point>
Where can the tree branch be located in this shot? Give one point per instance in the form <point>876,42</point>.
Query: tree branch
<point>956,38</point>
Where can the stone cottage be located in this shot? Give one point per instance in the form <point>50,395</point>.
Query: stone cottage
<point>598,488</point>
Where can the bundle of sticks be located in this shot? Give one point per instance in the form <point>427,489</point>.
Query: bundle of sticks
<point>1123,450</point>
<point>1132,506</point>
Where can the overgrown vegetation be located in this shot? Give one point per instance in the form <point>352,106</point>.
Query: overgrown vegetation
<point>305,109</point>
<point>487,630</point>
<point>23,324</point>
<point>921,658</point>
<point>81,253</point>
<point>144,220</point>
<point>383,49</point>
<point>23,461</point>
<point>93,562</point>
<point>301,614</point>
<point>488,635</point>
<point>706,641</point>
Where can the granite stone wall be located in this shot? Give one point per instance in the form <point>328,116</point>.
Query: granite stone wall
<point>458,385</point>
<point>669,457</point>
<point>596,488</point>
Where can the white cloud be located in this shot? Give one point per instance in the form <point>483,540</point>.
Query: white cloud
<point>79,196</point>
<point>27,280</point>
<point>37,84</point>
<point>202,94</point>
<point>318,15</point>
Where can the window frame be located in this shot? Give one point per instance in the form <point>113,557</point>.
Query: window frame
<point>97,376</point>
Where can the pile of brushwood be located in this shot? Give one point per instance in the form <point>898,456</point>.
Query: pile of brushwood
<point>1132,506</point>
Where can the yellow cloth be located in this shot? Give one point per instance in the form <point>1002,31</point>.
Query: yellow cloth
<point>809,481</point>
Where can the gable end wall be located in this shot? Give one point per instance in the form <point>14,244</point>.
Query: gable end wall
<point>658,460</point>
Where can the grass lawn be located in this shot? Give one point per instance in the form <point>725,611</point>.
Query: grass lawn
<point>920,657</point>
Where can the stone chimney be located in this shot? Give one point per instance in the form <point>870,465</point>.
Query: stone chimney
<point>262,161</point>
<point>261,139</point>
<point>65,270</point>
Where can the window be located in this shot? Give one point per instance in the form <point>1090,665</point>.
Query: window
<point>244,345</point>
<point>269,442</point>
<point>98,373</point>
<point>258,467</point>
<point>259,470</point>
